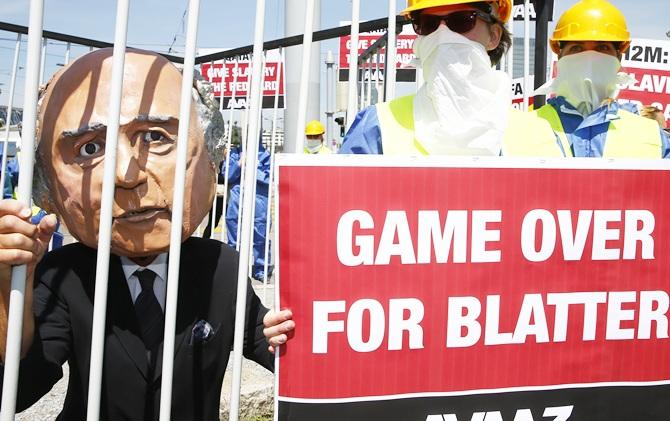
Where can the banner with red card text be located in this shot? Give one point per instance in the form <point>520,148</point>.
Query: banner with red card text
<point>230,79</point>
<point>485,289</point>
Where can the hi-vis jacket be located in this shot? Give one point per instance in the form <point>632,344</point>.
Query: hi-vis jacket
<point>388,128</point>
<point>609,132</point>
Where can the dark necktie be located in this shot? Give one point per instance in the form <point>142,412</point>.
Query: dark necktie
<point>149,313</point>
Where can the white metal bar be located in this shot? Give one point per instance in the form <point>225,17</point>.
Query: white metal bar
<point>377,70</point>
<point>244,144</point>
<point>361,97</point>
<point>216,177</point>
<point>353,63</point>
<point>10,110</point>
<point>178,210</point>
<point>304,75</point>
<point>18,283</point>
<point>330,81</point>
<point>255,184</point>
<point>229,139</point>
<point>67,54</point>
<point>43,60</point>
<point>526,53</point>
<point>268,215</point>
<point>105,228</point>
<point>510,51</point>
<point>368,98</point>
<point>247,209</point>
<point>389,66</point>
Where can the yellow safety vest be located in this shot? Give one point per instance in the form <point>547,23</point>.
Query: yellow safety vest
<point>629,136</point>
<point>526,135</point>
<point>322,150</point>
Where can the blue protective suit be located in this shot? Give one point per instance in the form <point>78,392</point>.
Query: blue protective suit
<point>587,135</point>
<point>364,135</point>
<point>12,177</point>
<point>260,212</point>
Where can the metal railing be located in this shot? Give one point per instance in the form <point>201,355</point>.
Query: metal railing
<point>370,59</point>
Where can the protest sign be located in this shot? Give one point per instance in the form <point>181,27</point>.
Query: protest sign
<point>403,60</point>
<point>232,77</point>
<point>474,289</point>
<point>647,62</point>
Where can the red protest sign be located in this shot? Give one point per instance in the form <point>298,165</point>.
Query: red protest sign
<point>647,61</point>
<point>231,78</point>
<point>403,59</point>
<point>447,289</point>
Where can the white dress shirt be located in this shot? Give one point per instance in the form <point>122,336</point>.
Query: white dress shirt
<point>159,266</point>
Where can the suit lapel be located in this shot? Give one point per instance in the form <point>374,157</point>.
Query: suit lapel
<point>121,313</point>
<point>188,274</point>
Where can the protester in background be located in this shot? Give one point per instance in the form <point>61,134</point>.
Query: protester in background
<point>655,114</point>
<point>590,39</point>
<point>261,203</point>
<point>314,132</point>
<point>464,107</point>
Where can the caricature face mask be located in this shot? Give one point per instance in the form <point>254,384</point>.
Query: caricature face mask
<point>73,121</point>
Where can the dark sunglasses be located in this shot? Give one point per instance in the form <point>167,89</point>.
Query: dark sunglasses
<point>460,22</point>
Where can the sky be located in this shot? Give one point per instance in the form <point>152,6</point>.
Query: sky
<point>159,25</point>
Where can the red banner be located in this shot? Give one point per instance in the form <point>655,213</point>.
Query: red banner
<point>456,281</point>
<point>648,61</point>
<point>232,79</point>
<point>404,52</point>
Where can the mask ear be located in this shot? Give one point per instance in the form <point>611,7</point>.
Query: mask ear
<point>495,34</point>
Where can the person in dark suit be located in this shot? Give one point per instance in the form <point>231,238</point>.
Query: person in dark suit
<point>68,181</point>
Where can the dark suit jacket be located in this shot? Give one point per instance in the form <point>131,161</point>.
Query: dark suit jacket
<point>63,305</point>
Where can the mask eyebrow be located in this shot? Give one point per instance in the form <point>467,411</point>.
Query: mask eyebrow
<point>159,119</point>
<point>89,128</point>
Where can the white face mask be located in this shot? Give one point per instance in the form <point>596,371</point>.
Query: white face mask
<point>585,80</point>
<point>462,108</point>
<point>313,146</point>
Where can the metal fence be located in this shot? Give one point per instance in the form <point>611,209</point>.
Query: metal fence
<point>360,94</point>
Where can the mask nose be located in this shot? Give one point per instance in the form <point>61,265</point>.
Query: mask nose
<point>130,171</point>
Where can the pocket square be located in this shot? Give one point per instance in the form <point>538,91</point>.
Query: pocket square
<point>201,333</point>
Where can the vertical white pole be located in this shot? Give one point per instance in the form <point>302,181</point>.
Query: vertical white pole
<point>361,90</point>
<point>304,74</point>
<point>105,229</point>
<point>247,209</point>
<point>389,65</point>
<point>510,51</point>
<point>212,222</point>
<point>377,70</point>
<point>526,53</point>
<point>330,81</point>
<point>66,61</point>
<point>244,144</point>
<point>268,216</point>
<point>43,60</point>
<point>10,110</point>
<point>178,209</point>
<point>18,283</point>
<point>353,63</point>
<point>229,139</point>
<point>368,101</point>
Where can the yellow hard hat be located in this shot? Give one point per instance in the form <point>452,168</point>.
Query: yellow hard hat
<point>504,6</point>
<point>591,20</point>
<point>314,128</point>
